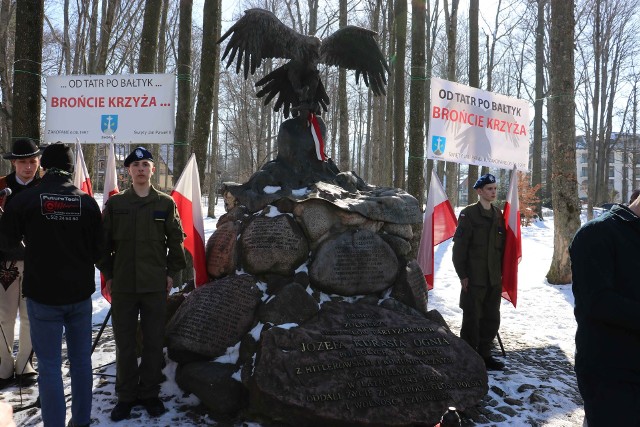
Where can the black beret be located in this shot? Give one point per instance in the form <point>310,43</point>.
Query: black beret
<point>140,153</point>
<point>484,180</point>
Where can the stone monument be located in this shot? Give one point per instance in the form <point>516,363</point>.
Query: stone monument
<point>316,313</point>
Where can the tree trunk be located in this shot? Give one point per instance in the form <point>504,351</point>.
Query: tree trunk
<point>27,69</point>
<point>451,20</point>
<point>415,183</point>
<point>562,137</point>
<point>474,80</point>
<point>183,106</point>
<point>209,58</point>
<point>149,36</point>
<point>400,24</point>
<point>536,161</point>
<point>343,123</point>
<point>387,144</point>
<point>6,80</point>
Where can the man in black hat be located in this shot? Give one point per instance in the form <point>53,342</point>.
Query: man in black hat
<point>143,249</point>
<point>478,246</point>
<point>25,159</point>
<point>62,226</point>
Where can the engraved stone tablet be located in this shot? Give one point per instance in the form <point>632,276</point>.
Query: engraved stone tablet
<point>214,316</point>
<point>221,250</point>
<point>273,245</point>
<point>362,365</point>
<point>356,262</point>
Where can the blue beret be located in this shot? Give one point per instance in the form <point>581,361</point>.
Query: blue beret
<point>484,180</point>
<point>140,153</point>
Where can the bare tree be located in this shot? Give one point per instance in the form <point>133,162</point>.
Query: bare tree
<point>415,181</point>
<point>183,106</point>
<point>7,9</point>
<point>343,109</point>
<point>206,89</point>
<point>562,137</point>
<point>400,24</point>
<point>451,19</point>
<point>536,160</point>
<point>27,69</point>
<point>474,78</point>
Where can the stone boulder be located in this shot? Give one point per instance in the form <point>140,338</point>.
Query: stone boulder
<point>274,245</point>
<point>221,254</point>
<point>363,365</point>
<point>213,317</point>
<point>356,262</point>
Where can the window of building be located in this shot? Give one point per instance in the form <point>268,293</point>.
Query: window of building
<point>612,172</point>
<point>584,158</point>
<point>584,172</point>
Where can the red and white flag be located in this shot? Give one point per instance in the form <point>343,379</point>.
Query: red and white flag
<point>513,243</point>
<point>186,194</point>
<point>110,188</point>
<point>110,176</point>
<point>81,177</point>
<point>439,225</point>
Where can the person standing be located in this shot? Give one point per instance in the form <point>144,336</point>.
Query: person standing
<point>606,288</point>
<point>478,246</point>
<point>25,159</point>
<point>61,227</point>
<point>143,249</point>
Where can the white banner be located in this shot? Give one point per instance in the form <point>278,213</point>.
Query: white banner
<point>135,108</point>
<point>469,125</point>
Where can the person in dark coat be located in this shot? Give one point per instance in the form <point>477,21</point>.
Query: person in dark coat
<point>478,246</point>
<point>25,159</point>
<point>61,228</point>
<point>143,249</point>
<point>606,286</point>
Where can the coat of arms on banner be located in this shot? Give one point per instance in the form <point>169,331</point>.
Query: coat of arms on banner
<point>109,123</point>
<point>437,144</point>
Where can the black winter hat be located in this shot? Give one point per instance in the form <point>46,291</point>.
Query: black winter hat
<point>484,180</point>
<point>140,153</point>
<point>23,149</point>
<point>57,156</point>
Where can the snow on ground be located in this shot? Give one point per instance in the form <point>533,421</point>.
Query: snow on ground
<point>538,387</point>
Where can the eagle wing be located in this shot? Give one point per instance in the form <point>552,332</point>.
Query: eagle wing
<point>259,34</point>
<point>356,48</point>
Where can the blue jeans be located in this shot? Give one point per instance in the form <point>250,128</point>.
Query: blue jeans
<point>47,322</point>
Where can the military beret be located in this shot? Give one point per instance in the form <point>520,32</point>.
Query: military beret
<point>484,180</point>
<point>140,153</point>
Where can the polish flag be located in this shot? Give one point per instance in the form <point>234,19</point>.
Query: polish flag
<point>186,194</point>
<point>439,225</point>
<point>81,174</point>
<point>110,188</point>
<point>513,242</point>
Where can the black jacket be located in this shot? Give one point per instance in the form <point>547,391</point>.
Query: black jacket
<point>61,227</point>
<point>17,252</point>
<point>605,258</point>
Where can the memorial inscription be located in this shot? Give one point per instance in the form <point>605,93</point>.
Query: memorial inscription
<point>357,363</point>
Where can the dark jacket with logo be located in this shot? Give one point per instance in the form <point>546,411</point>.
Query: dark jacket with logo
<point>478,245</point>
<point>143,241</point>
<point>605,264</point>
<point>16,253</point>
<point>61,229</point>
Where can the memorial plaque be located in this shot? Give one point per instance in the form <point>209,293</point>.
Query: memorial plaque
<point>362,365</point>
<point>214,316</point>
<point>221,250</point>
<point>273,245</point>
<point>356,262</point>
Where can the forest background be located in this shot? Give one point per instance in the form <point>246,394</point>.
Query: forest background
<point>573,60</point>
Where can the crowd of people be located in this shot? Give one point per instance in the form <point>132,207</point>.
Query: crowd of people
<point>53,235</point>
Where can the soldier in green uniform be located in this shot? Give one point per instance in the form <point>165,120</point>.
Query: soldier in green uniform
<point>144,248</point>
<point>478,245</point>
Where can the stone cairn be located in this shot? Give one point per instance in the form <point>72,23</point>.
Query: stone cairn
<point>315,295</point>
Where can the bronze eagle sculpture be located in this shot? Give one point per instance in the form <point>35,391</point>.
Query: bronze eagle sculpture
<point>259,34</point>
